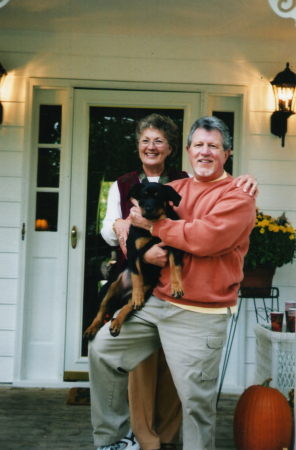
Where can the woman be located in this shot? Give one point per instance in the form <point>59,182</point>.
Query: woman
<point>154,405</point>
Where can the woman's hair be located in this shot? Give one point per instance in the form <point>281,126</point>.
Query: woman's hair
<point>162,123</point>
<point>210,123</point>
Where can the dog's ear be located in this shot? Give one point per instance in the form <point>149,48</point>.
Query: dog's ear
<point>134,192</point>
<point>172,195</point>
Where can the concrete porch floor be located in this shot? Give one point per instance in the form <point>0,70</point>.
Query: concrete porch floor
<point>40,419</point>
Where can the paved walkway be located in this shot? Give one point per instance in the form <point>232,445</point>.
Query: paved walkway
<point>40,419</point>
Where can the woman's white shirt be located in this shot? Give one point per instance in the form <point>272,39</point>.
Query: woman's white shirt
<point>114,212</point>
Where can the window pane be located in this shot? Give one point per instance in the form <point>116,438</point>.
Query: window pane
<point>47,211</point>
<point>113,151</point>
<point>228,166</point>
<point>48,173</point>
<point>50,124</point>
<point>228,118</point>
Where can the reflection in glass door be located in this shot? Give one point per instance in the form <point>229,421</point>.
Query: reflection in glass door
<point>113,152</point>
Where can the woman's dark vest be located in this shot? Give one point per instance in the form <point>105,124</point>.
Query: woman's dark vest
<point>125,183</point>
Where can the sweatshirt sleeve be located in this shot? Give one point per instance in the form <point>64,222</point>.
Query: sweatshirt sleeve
<point>222,230</point>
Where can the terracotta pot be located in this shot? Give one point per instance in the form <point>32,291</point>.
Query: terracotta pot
<point>261,277</point>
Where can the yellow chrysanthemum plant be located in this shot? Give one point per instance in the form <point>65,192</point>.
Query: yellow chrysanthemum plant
<point>272,242</point>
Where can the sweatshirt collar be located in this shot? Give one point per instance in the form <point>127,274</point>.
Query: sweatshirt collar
<point>223,176</point>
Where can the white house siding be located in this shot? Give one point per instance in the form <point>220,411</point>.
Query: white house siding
<point>160,61</point>
<point>11,159</point>
<point>275,169</point>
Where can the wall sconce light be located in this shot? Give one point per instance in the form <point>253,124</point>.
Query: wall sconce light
<point>284,93</point>
<point>3,74</point>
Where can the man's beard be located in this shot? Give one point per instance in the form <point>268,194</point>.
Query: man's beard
<point>204,172</point>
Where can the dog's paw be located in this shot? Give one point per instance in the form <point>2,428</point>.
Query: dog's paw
<point>138,301</point>
<point>177,290</point>
<point>90,333</point>
<point>115,327</point>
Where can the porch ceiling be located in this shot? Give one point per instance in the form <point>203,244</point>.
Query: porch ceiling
<point>248,19</point>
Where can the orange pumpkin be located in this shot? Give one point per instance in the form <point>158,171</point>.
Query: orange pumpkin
<point>41,225</point>
<point>262,419</point>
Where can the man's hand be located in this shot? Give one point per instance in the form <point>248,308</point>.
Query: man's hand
<point>251,185</point>
<point>137,220</point>
<point>156,255</point>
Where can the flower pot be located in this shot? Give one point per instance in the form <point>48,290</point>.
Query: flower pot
<point>261,277</point>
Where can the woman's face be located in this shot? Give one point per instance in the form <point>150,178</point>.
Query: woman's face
<point>153,148</point>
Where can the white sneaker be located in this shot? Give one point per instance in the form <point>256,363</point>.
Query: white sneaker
<point>127,443</point>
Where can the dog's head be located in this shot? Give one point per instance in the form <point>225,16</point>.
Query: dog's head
<point>154,198</point>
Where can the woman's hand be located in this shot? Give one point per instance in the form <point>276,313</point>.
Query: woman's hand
<point>121,228</point>
<point>250,186</point>
<point>156,255</point>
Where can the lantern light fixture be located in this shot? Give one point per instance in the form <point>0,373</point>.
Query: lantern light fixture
<point>3,74</point>
<point>283,85</point>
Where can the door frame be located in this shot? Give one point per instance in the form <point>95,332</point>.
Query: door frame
<point>83,100</point>
<point>28,176</point>
<point>69,85</point>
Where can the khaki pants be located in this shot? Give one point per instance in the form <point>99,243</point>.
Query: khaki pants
<point>155,408</point>
<point>192,343</point>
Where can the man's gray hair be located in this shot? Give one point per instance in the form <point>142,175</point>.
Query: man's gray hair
<point>210,123</point>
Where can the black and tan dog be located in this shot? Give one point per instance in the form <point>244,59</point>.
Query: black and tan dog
<point>154,201</point>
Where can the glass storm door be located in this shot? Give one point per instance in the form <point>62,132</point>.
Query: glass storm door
<point>104,147</point>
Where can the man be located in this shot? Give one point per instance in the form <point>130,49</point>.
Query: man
<point>216,219</point>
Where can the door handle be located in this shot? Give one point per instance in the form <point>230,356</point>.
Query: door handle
<point>74,236</point>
